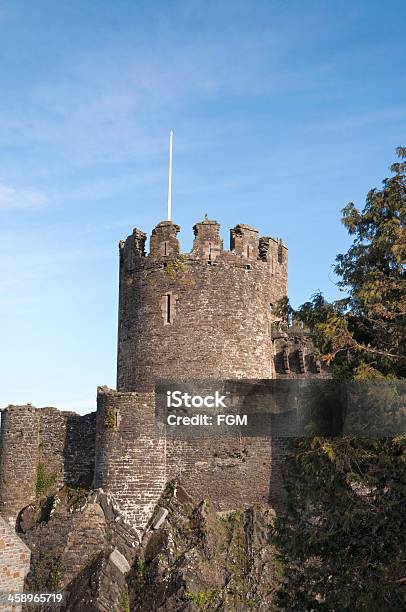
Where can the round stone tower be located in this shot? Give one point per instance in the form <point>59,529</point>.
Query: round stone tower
<point>203,314</point>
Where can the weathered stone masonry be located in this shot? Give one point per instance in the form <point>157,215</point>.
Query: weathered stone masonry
<point>130,456</point>
<point>133,462</point>
<point>14,563</point>
<point>205,314</point>
<point>201,315</point>
<point>60,444</point>
<point>19,455</point>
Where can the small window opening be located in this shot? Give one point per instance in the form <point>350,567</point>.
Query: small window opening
<point>210,250</point>
<point>165,248</point>
<point>248,251</point>
<point>168,309</point>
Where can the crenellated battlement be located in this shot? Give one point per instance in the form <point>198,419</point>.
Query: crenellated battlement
<point>245,244</point>
<point>28,408</point>
<point>295,355</point>
<point>207,243</point>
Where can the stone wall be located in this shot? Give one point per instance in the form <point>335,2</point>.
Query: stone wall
<point>67,442</point>
<point>58,444</point>
<point>133,462</point>
<point>130,456</point>
<point>231,472</point>
<point>295,355</point>
<point>19,453</point>
<point>14,562</point>
<point>205,314</point>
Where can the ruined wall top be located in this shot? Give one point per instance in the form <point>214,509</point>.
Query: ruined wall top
<point>245,243</point>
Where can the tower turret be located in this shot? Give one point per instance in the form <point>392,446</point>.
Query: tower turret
<point>207,243</point>
<point>163,240</point>
<point>244,241</point>
<point>204,314</point>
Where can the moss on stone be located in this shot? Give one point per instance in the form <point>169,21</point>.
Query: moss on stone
<point>177,269</point>
<point>110,418</point>
<point>205,600</point>
<point>45,480</point>
<point>124,600</point>
<point>55,579</point>
<point>139,566</point>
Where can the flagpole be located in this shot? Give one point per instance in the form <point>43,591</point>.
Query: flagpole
<point>170,178</point>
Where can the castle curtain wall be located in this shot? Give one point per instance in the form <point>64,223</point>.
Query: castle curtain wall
<point>42,444</point>
<point>19,451</point>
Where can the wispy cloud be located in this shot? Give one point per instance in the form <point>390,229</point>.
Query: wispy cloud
<point>367,119</point>
<point>16,198</point>
<point>26,275</point>
<point>117,102</point>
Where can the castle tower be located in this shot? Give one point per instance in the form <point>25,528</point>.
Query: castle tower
<point>203,314</point>
<point>20,427</point>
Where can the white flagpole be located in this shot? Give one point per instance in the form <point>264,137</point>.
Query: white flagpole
<point>170,178</point>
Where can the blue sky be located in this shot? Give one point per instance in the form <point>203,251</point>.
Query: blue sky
<point>283,111</point>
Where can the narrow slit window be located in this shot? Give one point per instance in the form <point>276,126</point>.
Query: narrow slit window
<point>248,251</point>
<point>165,248</point>
<point>167,304</point>
<point>280,253</point>
<point>209,250</point>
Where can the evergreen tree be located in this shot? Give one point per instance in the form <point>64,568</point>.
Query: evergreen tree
<point>364,335</point>
<point>343,535</point>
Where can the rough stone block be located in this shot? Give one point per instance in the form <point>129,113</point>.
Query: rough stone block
<point>159,519</point>
<point>119,561</point>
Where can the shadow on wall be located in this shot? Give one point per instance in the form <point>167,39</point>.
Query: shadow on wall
<point>79,450</point>
<point>268,403</point>
<point>281,410</point>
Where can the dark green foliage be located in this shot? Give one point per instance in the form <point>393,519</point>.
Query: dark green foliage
<point>55,578</point>
<point>343,539</point>
<point>283,311</point>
